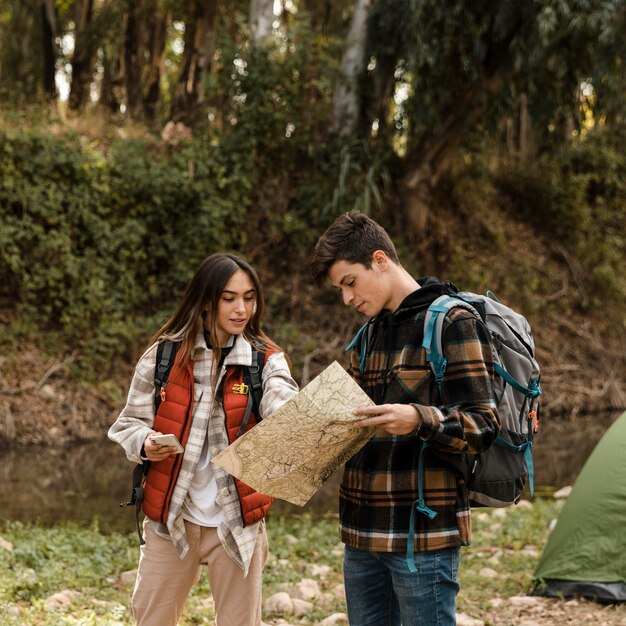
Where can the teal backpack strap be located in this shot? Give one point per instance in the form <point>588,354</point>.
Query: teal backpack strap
<point>532,391</point>
<point>420,506</point>
<point>362,335</point>
<point>433,330</point>
<point>527,449</point>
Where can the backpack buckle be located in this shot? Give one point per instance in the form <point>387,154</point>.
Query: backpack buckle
<point>241,388</point>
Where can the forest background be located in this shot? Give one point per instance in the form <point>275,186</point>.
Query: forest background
<point>137,137</point>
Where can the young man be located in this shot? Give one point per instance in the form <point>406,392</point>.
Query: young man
<point>404,510</point>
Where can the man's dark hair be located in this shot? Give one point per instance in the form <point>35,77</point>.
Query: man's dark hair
<point>352,237</point>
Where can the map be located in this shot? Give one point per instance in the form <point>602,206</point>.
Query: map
<point>291,453</point>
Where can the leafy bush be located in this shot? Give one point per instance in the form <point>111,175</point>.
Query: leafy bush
<point>576,199</point>
<point>92,243</point>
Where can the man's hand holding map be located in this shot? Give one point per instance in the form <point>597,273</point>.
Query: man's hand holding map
<point>292,452</point>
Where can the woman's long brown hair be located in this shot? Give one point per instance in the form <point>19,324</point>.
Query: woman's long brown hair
<point>205,288</point>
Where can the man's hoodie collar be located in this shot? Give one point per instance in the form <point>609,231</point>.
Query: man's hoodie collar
<point>430,289</point>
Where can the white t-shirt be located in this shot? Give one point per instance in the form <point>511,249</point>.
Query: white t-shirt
<point>200,506</point>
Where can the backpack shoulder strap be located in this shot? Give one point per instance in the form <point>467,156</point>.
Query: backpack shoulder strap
<point>361,339</point>
<point>433,332</point>
<point>166,355</point>
<point>253,377</point>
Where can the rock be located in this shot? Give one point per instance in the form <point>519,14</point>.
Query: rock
<point>6,545</point>
<point>465,620</point>
<point>526,602</point>
<point>500,513</point>
<point>530,550</point>
<point>487,572</point>
<point>340,591</point>
<point>291,539</point>
<point>336,619</point>
<point>280,602</point>
<point>47,392</point>
<point>482,517</point>
<point>62,598</point>
<point>496,603</point>
<point>318,570</point>
<point>306,589</point>
<point>495,528</point>
<point>128,576</point>
<point>563,492</point>
<point>301,607</point>
<point>551,525</point>
<point>327,599</point>
<point>525,504</point>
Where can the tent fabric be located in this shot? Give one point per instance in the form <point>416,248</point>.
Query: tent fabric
<point>586,552</point>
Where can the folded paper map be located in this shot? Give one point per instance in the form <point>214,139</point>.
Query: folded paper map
<point>292,452</point>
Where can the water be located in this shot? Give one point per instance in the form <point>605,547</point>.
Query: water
<point>79,482</point>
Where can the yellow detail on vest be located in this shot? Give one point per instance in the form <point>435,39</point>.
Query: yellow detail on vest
<point>241,388</point>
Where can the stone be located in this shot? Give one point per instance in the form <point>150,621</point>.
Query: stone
<point>280,602</point>
<point>465,620</point>
<point>306,589</point>
<point>563,492</point>
<point>526,602</point>
<point>47,392</point>
<point>487,572</point>
<point>525,504</point>
<point>318,570</point>
<point>128,577</point>
<point>61,599</point>
<point>301,607</point>
<point>336,619</point>
<point>6,545</point>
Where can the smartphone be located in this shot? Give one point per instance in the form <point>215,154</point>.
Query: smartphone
<point>167,440</point>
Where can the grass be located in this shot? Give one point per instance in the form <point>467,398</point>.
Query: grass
<point>45,561</point>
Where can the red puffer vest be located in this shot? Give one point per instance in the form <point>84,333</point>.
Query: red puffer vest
<point>174,416</point>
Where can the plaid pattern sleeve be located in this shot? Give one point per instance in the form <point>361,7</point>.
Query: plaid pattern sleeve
<point>467,421</point>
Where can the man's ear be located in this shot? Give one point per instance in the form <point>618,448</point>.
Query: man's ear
<point>380,260</point>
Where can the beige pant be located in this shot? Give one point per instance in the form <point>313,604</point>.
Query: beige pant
<point>164,580</point>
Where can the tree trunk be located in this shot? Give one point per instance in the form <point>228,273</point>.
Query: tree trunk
<point>320,12</point>
<point>261,19</point>
<point>158,38</point>
<point>200,19</point>
<point>133,47</point>
<point>379,95</point>
<point>82,59</point>
<point>435,155</point>
<point>111,92</point>
<point>48,20</point>
<point>345,104</point>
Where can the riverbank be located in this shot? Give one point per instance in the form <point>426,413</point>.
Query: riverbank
<point>72,574</point>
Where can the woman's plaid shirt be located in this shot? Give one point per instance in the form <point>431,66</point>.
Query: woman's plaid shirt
<point>380,483</point>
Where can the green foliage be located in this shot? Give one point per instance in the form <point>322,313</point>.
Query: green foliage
<point>92,244</point>
<point>48,560</point>
<point>575,198</point>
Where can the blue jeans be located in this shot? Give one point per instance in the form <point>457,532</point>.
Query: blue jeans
<point>381,591</point>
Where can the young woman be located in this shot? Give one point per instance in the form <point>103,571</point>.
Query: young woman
<point>197,513</point>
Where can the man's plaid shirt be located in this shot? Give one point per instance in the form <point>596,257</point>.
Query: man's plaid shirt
<point>380,483</point>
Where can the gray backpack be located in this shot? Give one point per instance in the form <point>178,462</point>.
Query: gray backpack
<point>497,477</point>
